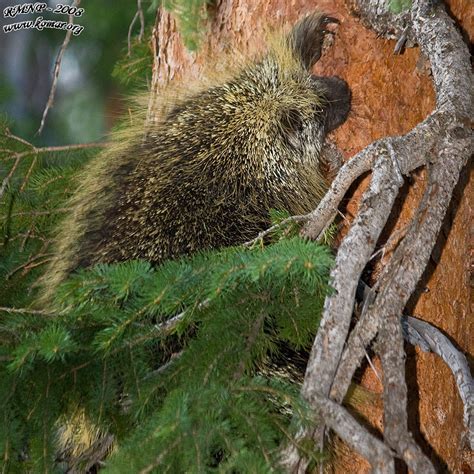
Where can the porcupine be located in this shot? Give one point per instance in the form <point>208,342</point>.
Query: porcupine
<point>209,172</point>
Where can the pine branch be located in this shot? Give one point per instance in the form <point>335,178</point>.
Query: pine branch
<point>17,156</point>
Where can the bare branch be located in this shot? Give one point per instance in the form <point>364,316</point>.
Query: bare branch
<point>409,259</point>
<point>354,252</point>
<point>438,343</point>
<point>129,35</point>
<point>28,174</point>
<point>7,178</point>
<point>395,398</point>
<point>138,14</point>
<point>401,41</point>
<point>57,67</point>
<point>18,139</point>
<point>56,210</point>
<point>326,211</point>
<point>54,149</point>
<point>357,247</point>
<point>142,20</point>
<point>415,145</point>
<point>39,259</point>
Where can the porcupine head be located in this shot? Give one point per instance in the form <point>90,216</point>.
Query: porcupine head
<point>208,172</point>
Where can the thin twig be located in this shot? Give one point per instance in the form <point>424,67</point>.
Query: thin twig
<point>24,311</point>
<point>7,178</point>
<point>28,173</point>
<point>9,134</point>
<point>129,36</point>
<point>372,366</point>
<point>31,263</point>
<point>54,149</point>
<point>167,326</point>
<point>138,14</point>
<point>431,215</point>
<point>31,235</point>
<point>391,243</point>
<point>401,41</point>
<point>279,225</point>
<point>142,20</point>
<point>57,67</point>
<point>42,213</point>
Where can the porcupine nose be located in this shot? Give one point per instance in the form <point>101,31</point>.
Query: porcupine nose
<point>337,100</point>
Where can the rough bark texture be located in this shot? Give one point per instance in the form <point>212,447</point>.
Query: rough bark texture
<point>391,95</point>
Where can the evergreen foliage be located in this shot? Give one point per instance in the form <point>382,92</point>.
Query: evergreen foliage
<point>169,360</point>
<point>31,207</point>
<point>185,395</point>
<point>132,68</point>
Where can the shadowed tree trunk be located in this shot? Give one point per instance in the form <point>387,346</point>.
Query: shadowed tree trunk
<point>392,94</point>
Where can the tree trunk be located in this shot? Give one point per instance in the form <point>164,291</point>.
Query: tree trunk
<point>391,95</point>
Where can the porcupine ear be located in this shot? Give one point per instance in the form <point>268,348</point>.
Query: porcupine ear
<point>307,37</point>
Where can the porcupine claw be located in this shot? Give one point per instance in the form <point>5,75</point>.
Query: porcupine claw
<point>327,20</point>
